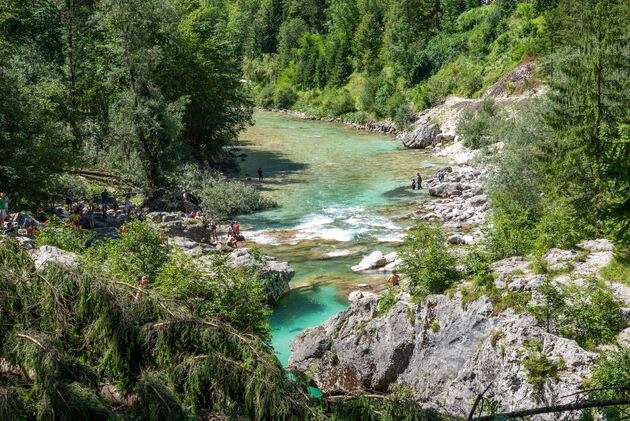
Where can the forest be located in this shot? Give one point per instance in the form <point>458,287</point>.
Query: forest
<point>144,91</point>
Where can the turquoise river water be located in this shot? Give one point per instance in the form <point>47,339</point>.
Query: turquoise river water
<point>341,193</point>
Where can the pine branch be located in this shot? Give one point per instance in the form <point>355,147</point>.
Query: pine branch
<point>212,325</point>
<point>35,341</point>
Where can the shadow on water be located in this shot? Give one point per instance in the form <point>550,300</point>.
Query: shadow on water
<point>405,192</point>
<point>273,163</point>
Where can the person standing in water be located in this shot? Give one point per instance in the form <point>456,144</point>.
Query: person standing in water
<point>260,174</point>
<point>394,279</point>
<point>418,181</point>
<point>413,184</point>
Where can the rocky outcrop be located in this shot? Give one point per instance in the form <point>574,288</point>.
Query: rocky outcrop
<point>444,351</point>
<point>178,226</point>
<point>461,202</point>
<point>22,220</point>
<point>276,274</point>
<point>47,254</point>
<point>377,261</point>
<point>423,136</point>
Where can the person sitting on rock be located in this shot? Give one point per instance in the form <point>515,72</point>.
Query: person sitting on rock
<point>232,241</point>
<point>237,228</point>
<point>32,230</point>
<point>440,176</point>
<point>394,279</point>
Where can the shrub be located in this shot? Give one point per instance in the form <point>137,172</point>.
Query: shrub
<point>266,98</point>
<point>591,314</point>
<point>284,97</point>
<point>426,261</point>
<point>339,102</point>
<point>511,230</point>
<point>385,303</point>
<point>611,380</point>
<point>403,117</point>
<point>64,235</point>
<point>479,128</point>
<point>219,196</point>
<point>539,367</point>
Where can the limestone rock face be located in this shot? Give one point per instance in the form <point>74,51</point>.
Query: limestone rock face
<point>423,136</point>
<point>47,254</point>
<point>23,220</point>
<point>444,350</point>
<point>276,274</point>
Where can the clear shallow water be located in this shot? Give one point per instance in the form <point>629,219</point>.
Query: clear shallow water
<point>341,194</point>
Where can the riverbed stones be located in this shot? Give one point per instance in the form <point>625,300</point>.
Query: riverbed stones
<point>423,136</point>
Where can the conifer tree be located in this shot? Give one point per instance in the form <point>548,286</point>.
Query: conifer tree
<point>589,94</point>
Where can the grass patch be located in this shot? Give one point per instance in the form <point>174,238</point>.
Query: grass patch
<point>616,271</point>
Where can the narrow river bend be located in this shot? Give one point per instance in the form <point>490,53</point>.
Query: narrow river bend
<point>341,194</point>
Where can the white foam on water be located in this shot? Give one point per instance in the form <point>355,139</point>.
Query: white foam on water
<point>262,237</point>
<point>338,253</point>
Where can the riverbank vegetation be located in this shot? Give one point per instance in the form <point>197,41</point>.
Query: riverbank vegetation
<point>382,60</point>
<point>87,343</point>
<point>119,93</point>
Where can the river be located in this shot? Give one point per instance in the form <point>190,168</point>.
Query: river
<point>341,193</point>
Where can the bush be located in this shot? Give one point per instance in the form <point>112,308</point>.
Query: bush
<point>64,235</point>
<point>339,102</point>
<point>539,367</point>
<point>284,97</point>
<point>611,380</point>
<point>591,314</point>
<point>426,261</point>
<point>266,98</point>
<point>479,128</point>
<point>207,288</point>
<point>511,230</point>
<point>220,197</point>
<point>404,116</point>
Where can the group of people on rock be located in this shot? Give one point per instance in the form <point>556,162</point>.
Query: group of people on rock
<point>76,209</point>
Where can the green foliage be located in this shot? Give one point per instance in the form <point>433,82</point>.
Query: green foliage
<point>206,288</point>
<point>284,97</point>
<point>426,261</point>
<point>539,367</point>
<point>220,197</point>
<point>617,270</point>
<point>64,235</point>
<point>476,128</point>
<point>611,380</point>
<point>339,103</point>
<point>591,314</point>
<point>435,326</point>
<point>385,303</point>
<point>587,157</point>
